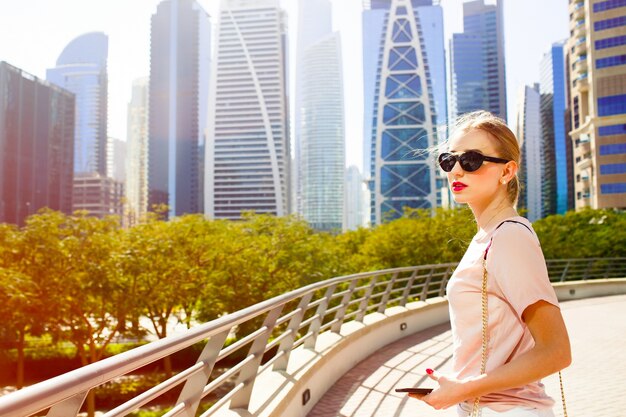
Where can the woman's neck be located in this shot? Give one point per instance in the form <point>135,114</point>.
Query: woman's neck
<point>492,213</point>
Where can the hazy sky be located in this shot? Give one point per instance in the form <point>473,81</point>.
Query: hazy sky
<point>34,32</point>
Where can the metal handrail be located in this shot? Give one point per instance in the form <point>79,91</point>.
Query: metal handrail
<point>316,308</point>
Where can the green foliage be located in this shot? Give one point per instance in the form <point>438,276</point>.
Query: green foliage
<point>86,281</point>
<point>417,238</point>
<point>583,234</point>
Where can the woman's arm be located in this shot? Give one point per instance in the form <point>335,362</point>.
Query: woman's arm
<point>550,354</point>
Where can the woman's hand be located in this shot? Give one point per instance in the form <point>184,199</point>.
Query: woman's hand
<point>450,392</point>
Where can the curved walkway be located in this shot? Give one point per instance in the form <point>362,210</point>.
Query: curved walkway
<point>595,384</point>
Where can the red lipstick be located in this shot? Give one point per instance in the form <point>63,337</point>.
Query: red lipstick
<point>458,186</point>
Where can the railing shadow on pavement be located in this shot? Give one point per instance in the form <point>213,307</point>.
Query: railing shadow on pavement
<point>285,336</point>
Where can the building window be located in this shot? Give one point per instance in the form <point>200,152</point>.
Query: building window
<point>611,105</point>
<point>612,130</point>
<point>610,169</point>
<point>614,149</point>
<point>611,42</point>
<point>609,23</point>
<point>608,5</point>
<point>613,188</point>
<point>576,113</point>
<point>611,61</point>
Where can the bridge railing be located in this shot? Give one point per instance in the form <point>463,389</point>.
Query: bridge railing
<point>267,333</point>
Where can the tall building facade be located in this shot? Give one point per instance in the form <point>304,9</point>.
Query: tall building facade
<point>402,113</point>
<point>557,145</point>
<point>597,81</point>
<point>248,158</point>
<point>136,185</point>
<point>116,159</point>
<point>320,143</point>
<point>36,145</point>
<point>431,23</point>
<point>477,61</point>
<point>180,52</point>
<point>354,202</point>
<point>82,69</point>
<point>533,165</point>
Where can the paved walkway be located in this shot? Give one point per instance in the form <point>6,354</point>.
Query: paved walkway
<point>595,383</point>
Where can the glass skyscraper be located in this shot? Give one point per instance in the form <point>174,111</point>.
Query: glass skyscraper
<point>247,153</point>
<point>82,69</point>
<point>178,105</point>
<point>320,146</point>
<point>477,61</point>
<point>36,145</point>
<point>402,112</point>
<point>136,185</point>
<point>557,148</point>
<point>533,164</point>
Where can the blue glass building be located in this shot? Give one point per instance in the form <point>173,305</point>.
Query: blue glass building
<point>82,69</point>
<point>477,61</point>
<point>401,106</point>
<point>178,105</point>
<point>556,150</point>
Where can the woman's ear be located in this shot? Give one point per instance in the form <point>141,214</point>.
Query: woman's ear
<point>510,170</point>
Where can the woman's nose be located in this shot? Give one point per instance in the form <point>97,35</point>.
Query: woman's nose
<point>456,169</point>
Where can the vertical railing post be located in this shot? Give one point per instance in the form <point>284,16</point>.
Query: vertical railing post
<point>314,327</point>
<point>424,294</point>
<point>564,274</point>
<point>385,297</point>
<point>586,274</point>
<point>341,313</point>
<point>192,390</point>
<point>248,373</point>
<point>408,287</point>
<point>69,407</point>
<point>444,282</point>
<point>366,298</point>
<point>284,350</point>
<point>608,269</point>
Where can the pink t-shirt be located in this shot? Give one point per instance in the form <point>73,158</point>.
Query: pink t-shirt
<point>517,278</point>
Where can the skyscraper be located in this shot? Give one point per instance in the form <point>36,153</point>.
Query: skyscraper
<point>533,166</point>
<point>116,159</point>
<point>401,113</point>
<point>136,185</point>
<point>178,105</point>
<point>247,151</point>
<point>320,145</point>
<point>477,61</point>
<point>82,69</point>
<point>597,73</point>
<point>557,147</point>
<point>36,145</point>
<point>354,200</point>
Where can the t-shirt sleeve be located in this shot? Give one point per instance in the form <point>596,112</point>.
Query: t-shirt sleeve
<point>516,263</point>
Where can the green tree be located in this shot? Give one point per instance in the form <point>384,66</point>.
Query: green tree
<point>22,311</point>
<point>586,233</point>
<point>81,254</point>
<point>418,238</point>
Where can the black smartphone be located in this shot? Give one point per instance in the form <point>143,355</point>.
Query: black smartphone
<point>420,391</point>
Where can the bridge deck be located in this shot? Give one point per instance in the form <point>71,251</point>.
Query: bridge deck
<point>595,383</point>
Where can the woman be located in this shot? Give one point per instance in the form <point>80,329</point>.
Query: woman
<point>527,338</point>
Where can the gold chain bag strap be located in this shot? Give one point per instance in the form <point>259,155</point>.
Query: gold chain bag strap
<point>476,410</point>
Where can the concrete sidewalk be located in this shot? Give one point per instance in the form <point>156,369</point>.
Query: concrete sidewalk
<point>595,383</point>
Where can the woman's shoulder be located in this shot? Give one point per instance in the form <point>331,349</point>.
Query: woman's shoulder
<point>514,231</point>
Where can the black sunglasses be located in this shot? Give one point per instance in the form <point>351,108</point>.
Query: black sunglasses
<point>470,161</point>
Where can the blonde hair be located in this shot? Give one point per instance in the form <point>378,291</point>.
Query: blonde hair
<point>507,145</point>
